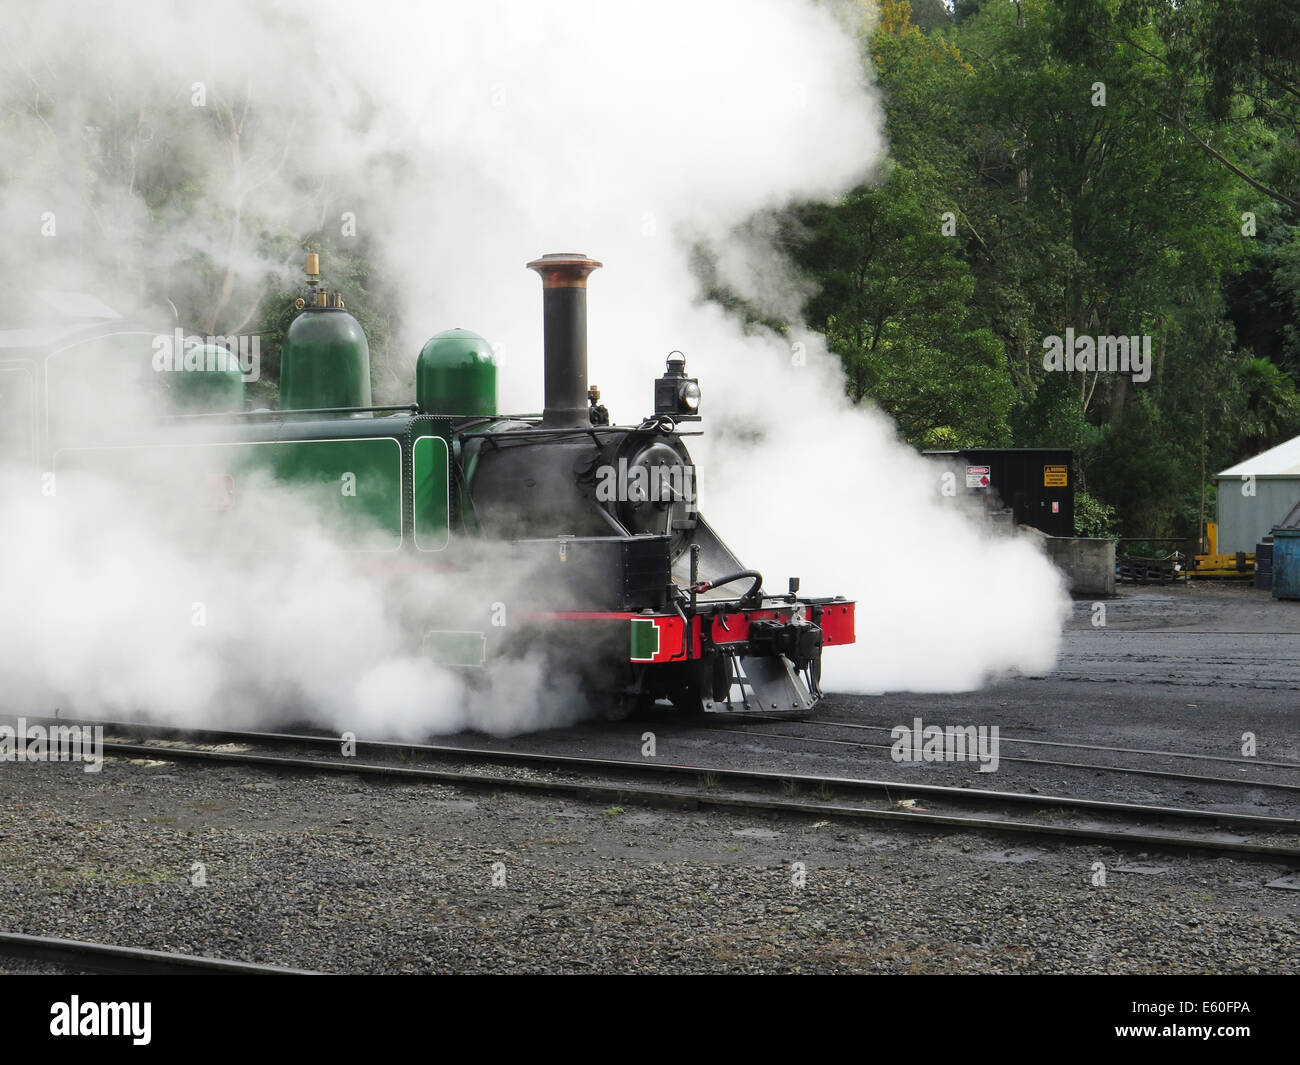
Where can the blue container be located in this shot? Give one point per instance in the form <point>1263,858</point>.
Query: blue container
<point>1286,563</point>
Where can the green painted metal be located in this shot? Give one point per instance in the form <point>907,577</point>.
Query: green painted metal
<point>449,648</point>
<point>430,488</point>
<point>353,486</point>
<point>120,376</point>
<point>208,380</point>
<point>325,361</point>
<point>374,483</point>
<point>456,374</point>
<point>17,413</point>
<point>645,639</point>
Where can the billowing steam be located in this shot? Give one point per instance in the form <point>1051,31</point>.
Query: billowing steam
<point>459,140</point>
<point>191,615</point>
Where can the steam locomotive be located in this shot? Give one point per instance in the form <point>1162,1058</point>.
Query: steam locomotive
<point>630,588</point>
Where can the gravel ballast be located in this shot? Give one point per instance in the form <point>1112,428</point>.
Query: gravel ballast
<point>349,875</point>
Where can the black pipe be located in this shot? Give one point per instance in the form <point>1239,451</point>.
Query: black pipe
<point>751,596</point>
<point>564,309</point>
<point>391,408</point>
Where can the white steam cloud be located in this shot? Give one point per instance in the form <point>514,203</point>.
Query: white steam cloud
<point>464,138</point>
<point>187,615</point>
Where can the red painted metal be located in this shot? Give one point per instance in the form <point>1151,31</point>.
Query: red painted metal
<point>838,624</point>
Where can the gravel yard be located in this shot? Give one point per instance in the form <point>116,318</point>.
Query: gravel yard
<point>346,875</point>
<point>353,875</point>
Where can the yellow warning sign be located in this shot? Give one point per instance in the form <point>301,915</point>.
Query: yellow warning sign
<point>1056,476</point>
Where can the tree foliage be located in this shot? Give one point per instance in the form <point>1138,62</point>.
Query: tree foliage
<point>1112,167</point>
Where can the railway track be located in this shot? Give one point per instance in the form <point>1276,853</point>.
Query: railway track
<point>1242,658</point>
<point>654,782</point>
<point>1162,774</point>
<point>135,961</point>
<point>1187,679</point>
<point>1024,741</point>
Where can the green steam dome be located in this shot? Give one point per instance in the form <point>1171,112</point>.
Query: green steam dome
<point>456,375</point>
<point>325,361</point>
<point>208,380</point>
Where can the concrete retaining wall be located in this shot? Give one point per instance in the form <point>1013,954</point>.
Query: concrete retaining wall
<point>1088,564</point>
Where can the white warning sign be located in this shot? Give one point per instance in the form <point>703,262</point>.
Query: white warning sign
<point>977,476</point>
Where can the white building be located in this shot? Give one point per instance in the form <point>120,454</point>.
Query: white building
<point>1256,494</point>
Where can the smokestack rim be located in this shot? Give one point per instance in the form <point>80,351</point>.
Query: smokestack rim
<point>568,269</point>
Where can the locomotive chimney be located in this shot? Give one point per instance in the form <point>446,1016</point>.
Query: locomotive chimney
<point>564,309</point>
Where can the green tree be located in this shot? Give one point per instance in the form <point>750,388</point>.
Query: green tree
<point>1228,76</point>
<point>893,301</point>
<point>1036,185</point>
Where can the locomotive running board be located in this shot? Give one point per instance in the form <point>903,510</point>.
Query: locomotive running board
<point>774,688</point>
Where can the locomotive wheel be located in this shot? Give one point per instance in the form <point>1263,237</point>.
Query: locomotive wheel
<point>631,705</point>
<point>709,678</point>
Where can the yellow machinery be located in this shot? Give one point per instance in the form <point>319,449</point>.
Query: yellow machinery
<point>1213,564</point>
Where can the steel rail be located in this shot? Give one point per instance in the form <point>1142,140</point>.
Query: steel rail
<point>111,958</point>
<point>822,723</point>
<point>1174,680</point>
<point>740,776</point>
<point>624,792</point>
<point>1163,774</point>
<point>1115,630</point>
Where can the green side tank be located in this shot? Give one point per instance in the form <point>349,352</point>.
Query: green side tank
<point>211,381</point>
<point>325,361</point>
<point>456,375</point>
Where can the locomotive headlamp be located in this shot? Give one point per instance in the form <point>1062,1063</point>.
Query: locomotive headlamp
<point>689,393</point>
<point>675,393</point>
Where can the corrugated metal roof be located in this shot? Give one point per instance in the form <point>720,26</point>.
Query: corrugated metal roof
<point>1279,461</point>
